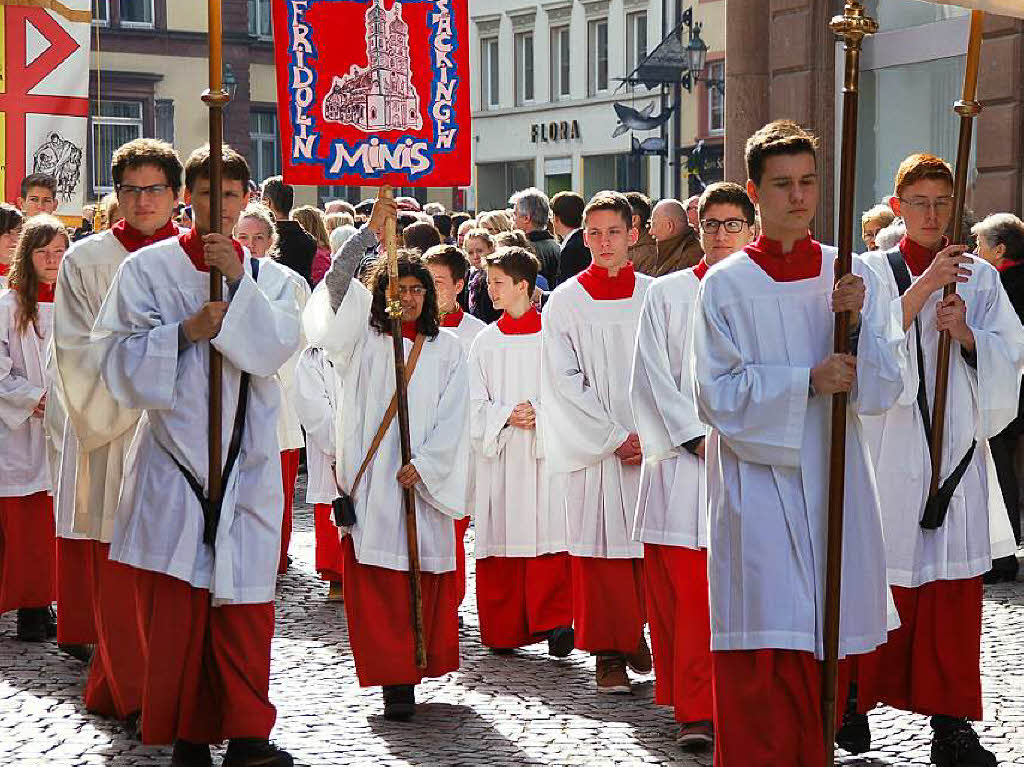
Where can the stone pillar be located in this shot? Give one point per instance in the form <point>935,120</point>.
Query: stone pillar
<point>746,79</point>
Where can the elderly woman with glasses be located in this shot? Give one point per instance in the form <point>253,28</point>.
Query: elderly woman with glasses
<point>1001,243</point>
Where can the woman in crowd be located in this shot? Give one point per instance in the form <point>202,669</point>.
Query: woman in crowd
<point>10,231</point>
<point>312,220</point>
<point>479,244</point>
<point>495,221</point>
<point>873,221</point>
<point>256,231</point>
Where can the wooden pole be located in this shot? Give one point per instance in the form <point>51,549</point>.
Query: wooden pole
<point>852,27</point>
<point>402,394</point>
<point>215,99</point>
<point>968,108</point>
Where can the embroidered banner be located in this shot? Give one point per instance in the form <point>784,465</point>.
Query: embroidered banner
<point>44,96</point>
<point>374,92</point>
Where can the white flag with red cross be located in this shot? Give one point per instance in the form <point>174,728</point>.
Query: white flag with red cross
<point>44,96</point>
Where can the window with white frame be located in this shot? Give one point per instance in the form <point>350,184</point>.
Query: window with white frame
<point>265,154</point>
<point>260,24</point>
<point>560,83</point>
<point>597,56</point>
<point>636,39</point>
<point>136,13</point>
<point>716,97</point>
<point>101,12</point>
<point>524,67</point>
<point>489,64</point>
<point>113,123</point>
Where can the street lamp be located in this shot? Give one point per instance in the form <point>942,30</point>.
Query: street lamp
<point>230,82</point>
<point>696,52</point>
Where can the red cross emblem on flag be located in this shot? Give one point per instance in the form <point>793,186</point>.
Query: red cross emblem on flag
<point>35,44</point>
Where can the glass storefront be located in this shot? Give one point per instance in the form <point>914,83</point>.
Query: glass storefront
<point>497,181</point>
<point>621,172</point>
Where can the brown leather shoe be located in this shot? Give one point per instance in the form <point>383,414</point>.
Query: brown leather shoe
<point>696,735</point>
<point>640,659</point>
<point>611,675</point>
<point>336,593</point>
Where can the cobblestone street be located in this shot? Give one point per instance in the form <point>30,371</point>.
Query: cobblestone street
<point>520,709</point>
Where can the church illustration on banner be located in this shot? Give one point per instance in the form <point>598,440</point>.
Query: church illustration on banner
<point>380,96</point>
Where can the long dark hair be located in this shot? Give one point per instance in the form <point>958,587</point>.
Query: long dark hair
<point>38,232</point>
<point>409,265</point>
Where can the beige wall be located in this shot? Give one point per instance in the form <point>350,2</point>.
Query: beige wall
<point>188,15</point>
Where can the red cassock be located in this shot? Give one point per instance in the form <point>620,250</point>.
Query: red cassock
<point>519,599</point>
<point>207,671</point>
<point>289,473</point>
<point>329,560</point>
<point>378,610</point>
<point>768,708</point>
<point>676,579</point>
<point>76,623</point>
<point>116,674</point>
<point>461,526</point>
<point>608,603</point>
<point>28,552</point>
<point>932,662</point>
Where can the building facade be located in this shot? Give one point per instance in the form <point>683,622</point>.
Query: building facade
<point>545,78</point>
<point>149,68</point>
<point>784,62</point>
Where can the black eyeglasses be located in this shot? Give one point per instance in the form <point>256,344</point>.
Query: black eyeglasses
<point>732,225</point>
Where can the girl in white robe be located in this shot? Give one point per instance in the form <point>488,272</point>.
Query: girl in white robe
<point>27,540</point>
<point>348,321</point>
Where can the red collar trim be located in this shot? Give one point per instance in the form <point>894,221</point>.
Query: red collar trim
<point>46,293</point>
<point>527,324</point>
<point>192,243</point>
<point>802,263</point>
<point>4,269</point>
<point>1006,264</point>
<point>701,268</point>
<point>452,319</point>
<point>917,256</point>
<point>409,330</point>
<point>603,287</point>
<point>132,239</point>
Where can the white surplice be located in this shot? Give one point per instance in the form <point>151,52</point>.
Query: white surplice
<point>159,524</point>
<point>980,403</point>
<point>519,506</point>
<point>672,509</point>
<point>587,414</point>
<point>289,429</point>
<point>100,429</point>
<point>364,360</point>
<point>467,330</point>
<point>755,342</point>
<point>24,462</point>
<point>315,399</point>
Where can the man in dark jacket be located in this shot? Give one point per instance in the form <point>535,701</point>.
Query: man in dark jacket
<point>295,247</point>
<point>532,213</point>
<point>567,220</point>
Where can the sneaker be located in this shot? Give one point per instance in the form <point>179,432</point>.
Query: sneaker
<point>336,593</point>
<point>81,652</point>
<point>255,752</point>
<point>611,675</point>
<point>854,734</point>
<point>188,754</point>
<point>640,659</point>
<point>955,744</point>
<point>560,641</point>
<point>399,702</point>
<point>32,624</point>
<point>696,734</point>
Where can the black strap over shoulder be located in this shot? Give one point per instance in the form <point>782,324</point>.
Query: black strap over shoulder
<point>211,511</point>
<point>937,506</point>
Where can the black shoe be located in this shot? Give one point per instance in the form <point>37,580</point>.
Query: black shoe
<point>854,734</point>
<point>955,744</point>
<point>51,623</point>
<point>1003,569</point>
<point>460,621</point>
<point>503,650</point>
<point>133,725</point>
<point>32,624</point>
<point>560,642</point>
<point>399,702</point>
<point>255,752</point>
<point>188,754</point>
<point>82,652</point>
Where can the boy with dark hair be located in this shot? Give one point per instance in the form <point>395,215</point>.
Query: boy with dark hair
<point>349,321</point>
<point>567,220</point>
<point>205,573</point>
<point>523,580</point>
<point>765,372</point>
<point>38,194</point>
<point>590,435</point>
<point>296,248</point>
<point>97,435</point>
<point>932,665</point>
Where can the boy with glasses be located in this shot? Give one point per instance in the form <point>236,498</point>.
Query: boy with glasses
<point>671,513</point>
<point>931,665</point>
